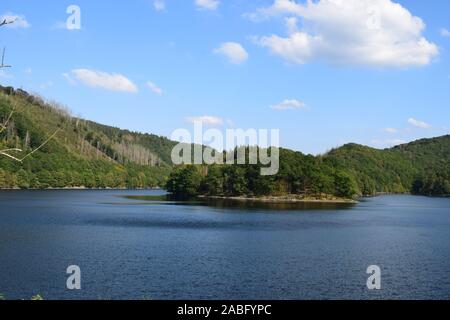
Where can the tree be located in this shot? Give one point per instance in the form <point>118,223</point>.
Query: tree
<point>23,179</point>
<point>213,182</point>
<point>7,152</point>
<point>9,124</point>
<point>417,187</point>
<point>345,185</point>
<point>185,182</point>
<point>235,182</point>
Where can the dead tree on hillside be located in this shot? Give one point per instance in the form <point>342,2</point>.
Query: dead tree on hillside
<point>7,152</point>
<point>4,125</point>
<point>4,23</point>
<point>3,60</point>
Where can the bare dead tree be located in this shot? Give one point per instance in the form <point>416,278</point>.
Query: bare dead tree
<point>4,126</point>
<point>41,146</point>
<point>5,22</point>
<point>3,60</point>
<point>7,152</point>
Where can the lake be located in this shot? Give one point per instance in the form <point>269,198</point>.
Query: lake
<point>130,248</point>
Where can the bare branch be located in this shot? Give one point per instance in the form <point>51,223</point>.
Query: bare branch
<point>41,146</point>
<point>6,151</point>
<point>3,65</point>
<point>5,22</point>
<point>6,154</point>
<point>4,125</point>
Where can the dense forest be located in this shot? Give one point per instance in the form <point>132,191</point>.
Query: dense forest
<point>81,153</point>
<point>421,167</point>
<point>58,150</point>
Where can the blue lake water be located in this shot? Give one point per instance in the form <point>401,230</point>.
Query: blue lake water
<point>135,249</point>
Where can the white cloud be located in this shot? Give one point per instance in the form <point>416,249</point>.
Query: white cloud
<point>159,5</point>
<point>19,20</point>
<point>418,123</point>
<point>207,4</point>
<point>388,142</point>
<point>395,142</point>
<point>445,32</point>
<point>390,130</point>
<point>209,120</point>
<point>69,79</point>
<point>104,80</point>
<point>377,33</point>
<point>46,85</point>
<point>235,53</point>
<point>289,104</point>
<point>279,7</point>
<point>292,25</point>
<point>153,87</point>
<point>28,71</point>
<point>5,75</point>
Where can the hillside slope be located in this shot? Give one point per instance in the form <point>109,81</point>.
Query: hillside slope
<point>81,154</point>
<point>421,167</point>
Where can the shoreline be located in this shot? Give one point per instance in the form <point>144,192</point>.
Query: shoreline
<point>282,199</point>
<point>80,189</point>
<point>266,199</point>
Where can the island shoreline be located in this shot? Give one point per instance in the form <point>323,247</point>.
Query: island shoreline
<point>282,199</point>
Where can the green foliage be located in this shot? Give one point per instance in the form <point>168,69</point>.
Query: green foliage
<point>432,185</point>
<point>82,154</point>
<point>214,182</point>
<point>421,167</point>
<point>299,174</point>
<point>236,180</point>
<point>185,182</point>
<point>37,297</point>
<point>91,155</point>
<point>344,185</point>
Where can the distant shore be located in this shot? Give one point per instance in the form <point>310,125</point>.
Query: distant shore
<point>283,199</point>
<point>78,188</point>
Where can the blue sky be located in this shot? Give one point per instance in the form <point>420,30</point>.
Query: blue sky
<point>374,72</point>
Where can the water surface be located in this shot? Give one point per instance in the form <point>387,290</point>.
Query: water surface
<point>137,249</point>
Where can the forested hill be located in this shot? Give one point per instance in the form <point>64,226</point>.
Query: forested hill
<point>80,154</point>
<point>59,150</point>
<point>421,167</point>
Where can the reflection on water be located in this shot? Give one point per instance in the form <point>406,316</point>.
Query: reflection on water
<point>239,204</point>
